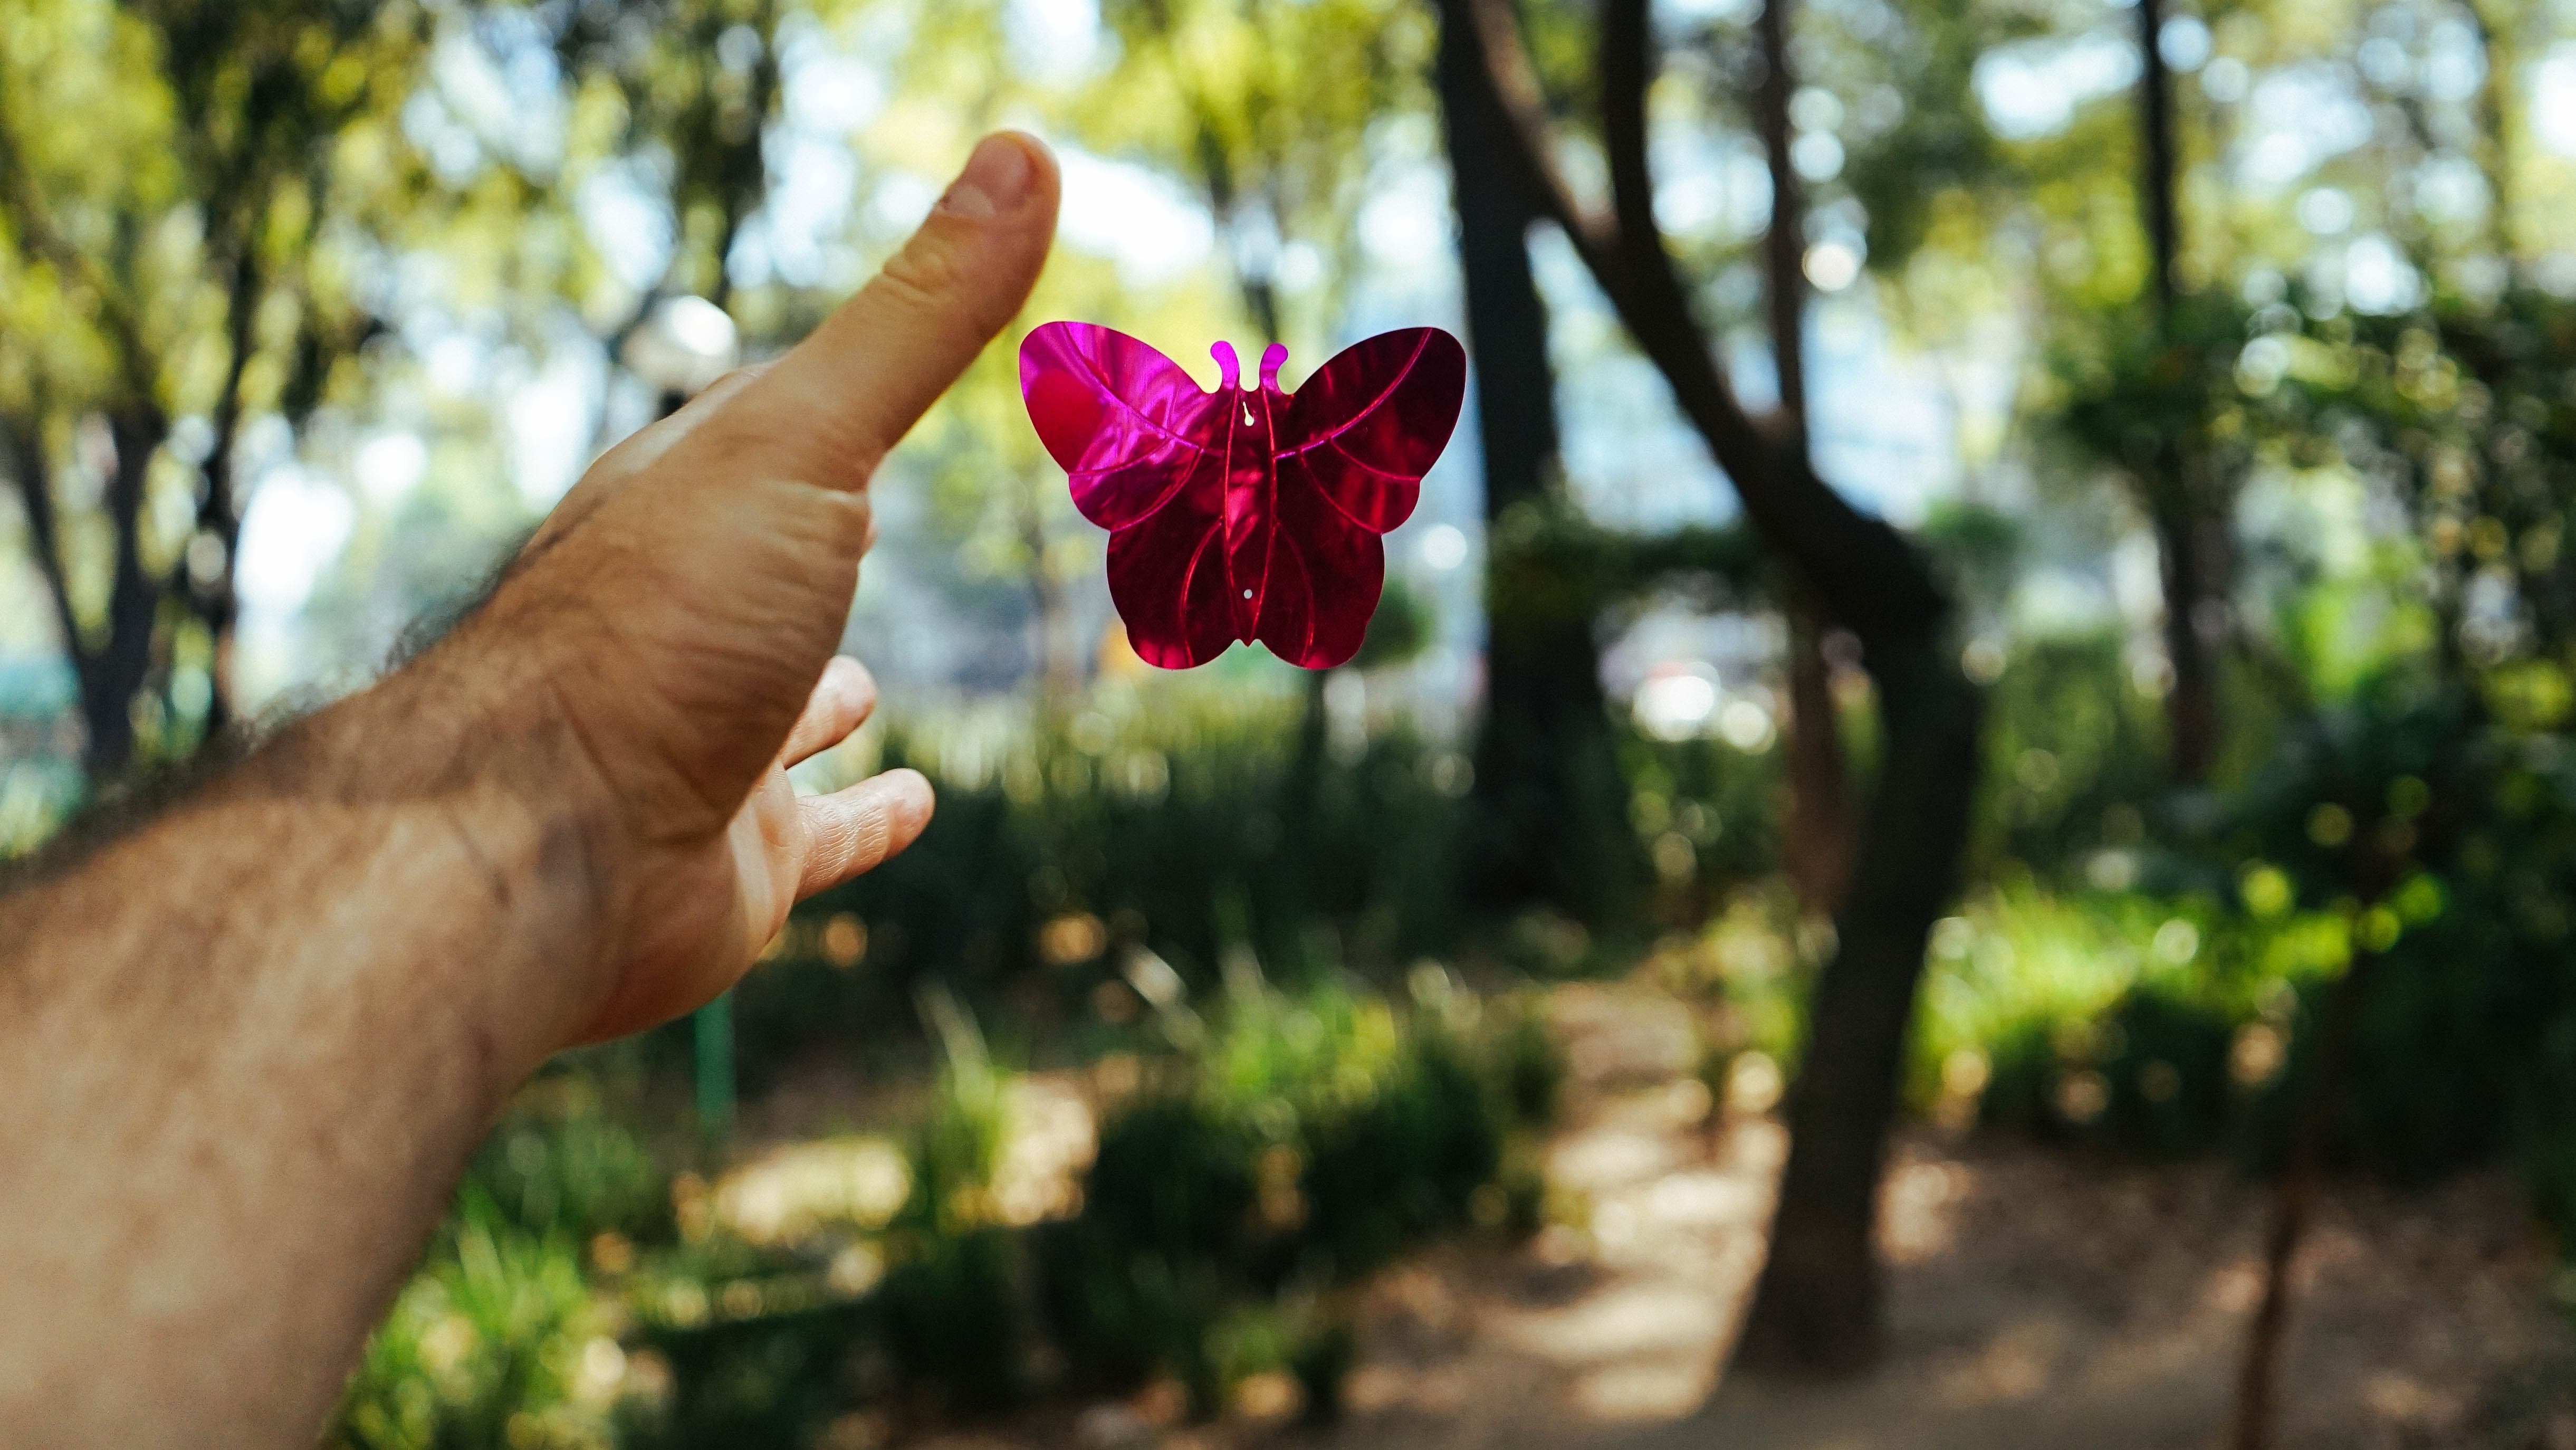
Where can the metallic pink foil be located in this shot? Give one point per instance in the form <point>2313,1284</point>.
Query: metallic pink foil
<point>1246,513</point>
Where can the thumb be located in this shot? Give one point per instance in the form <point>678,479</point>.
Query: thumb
<point>845,395</point>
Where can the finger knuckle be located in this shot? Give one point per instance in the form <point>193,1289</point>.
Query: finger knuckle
<point>935,277</point>
<point>732,435</point>
<point>927,276</point>
<point>870,829</point>
<point>835,521</point>
<point>843,450</point>
<point>854,522</point>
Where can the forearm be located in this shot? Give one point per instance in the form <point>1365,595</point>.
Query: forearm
<point>250,1046</point>
<point>245,1052</point>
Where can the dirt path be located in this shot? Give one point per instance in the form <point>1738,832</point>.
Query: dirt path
<point>2035,1299</point>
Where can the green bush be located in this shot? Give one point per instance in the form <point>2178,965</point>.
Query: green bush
<point>1191,818</point>
<point>2166,1070</point>
<point>1310,1138</point>
<point>1198,822</point>
<point>557,1165</point>
<point>948,1318</point>
<point>1706,814</point>
<point>492,1348</point>
<point>948,1308</point>
<point>754,1383</point>
<point>2146,1074</point>
<point>2073,763</point>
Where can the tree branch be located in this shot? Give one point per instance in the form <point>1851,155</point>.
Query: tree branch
<point>1870,577</point>
<point>1496,33</point>
<point>746,171</point>
<point>25,452</point>
<point>241,307</point>
<point>2155,102</point>
<point>1784,248</point>
<point>1627,65</point>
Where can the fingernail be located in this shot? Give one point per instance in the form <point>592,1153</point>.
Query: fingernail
<point>995,180</point>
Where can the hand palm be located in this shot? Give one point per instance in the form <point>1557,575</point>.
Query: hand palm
<point>730,894</point>
<point>691,589</point>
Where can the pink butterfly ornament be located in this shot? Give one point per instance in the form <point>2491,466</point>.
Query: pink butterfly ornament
<point>1243,514</point>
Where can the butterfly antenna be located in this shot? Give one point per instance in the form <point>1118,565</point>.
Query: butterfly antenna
<point>1271,359</point>
<point>1226,364</point>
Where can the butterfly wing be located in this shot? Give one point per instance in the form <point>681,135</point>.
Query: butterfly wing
<point>1127,425</point>
<point>1142,447</point>
<point>1167,575</point>
<point>1352,448</point>
<point>1322,584</point>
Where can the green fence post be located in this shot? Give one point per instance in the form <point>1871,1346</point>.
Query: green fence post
<point>711,1038</point>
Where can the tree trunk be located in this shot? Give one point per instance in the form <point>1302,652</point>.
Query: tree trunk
<point>2156,153</point>
<point>1817,845</point>
<point>1816,1306</point>
<point>112,673</point>
<point>111,665</point>
<point>1059,667</point>
<point>1817,1303</point>
<point>125,657</point>
<point>2190,545</point>
<point>212,593</point>
<point>1548,819</point>
<point>2294,1200</point>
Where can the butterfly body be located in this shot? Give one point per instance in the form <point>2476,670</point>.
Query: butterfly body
<point>1243,514</point>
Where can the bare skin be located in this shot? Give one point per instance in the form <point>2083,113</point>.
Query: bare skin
<point>247,1049</point>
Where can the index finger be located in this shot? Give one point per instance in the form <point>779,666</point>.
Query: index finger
<point>848,393</point>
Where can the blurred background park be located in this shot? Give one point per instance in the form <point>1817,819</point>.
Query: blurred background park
<point>1957,827</point>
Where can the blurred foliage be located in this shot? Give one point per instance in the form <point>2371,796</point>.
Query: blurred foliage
<point>2152,395</point>
<point>2072,752</point>
<point>1162,822</point>
<point>557,1167</point>
<point>192,257</point>
<point>495,1346</point>
<point>1250,1165</point>
<point>1123,825</point>
<point>1269,109</point>
<point>1318,1136</point>
<point>1552,565</point>
<point>2369,376</point>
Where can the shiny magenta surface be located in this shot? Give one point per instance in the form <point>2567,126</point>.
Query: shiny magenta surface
<point>1246,513</point>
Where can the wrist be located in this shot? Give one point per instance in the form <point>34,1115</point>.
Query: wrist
<point>281,1012</point>
<point>482,779</point>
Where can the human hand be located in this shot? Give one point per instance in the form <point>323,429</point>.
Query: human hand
<point>674,619</point>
